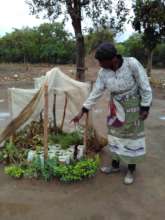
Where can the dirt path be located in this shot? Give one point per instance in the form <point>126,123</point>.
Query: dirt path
<point>103,197</point>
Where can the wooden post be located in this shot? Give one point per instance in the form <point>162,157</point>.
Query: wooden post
<point>54,115</point>
<point>11,139</point>
<point>46,121</point>
<point>86,132</point>
<point>64,113</point>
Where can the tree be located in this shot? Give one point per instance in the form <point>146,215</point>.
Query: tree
<point>47,43</point>
<point>100,11</point>
<point>134,47</point>
<point>159,53</point>
<point>19,46</point>
<point>150,19</point>
<point>55,43</point>
<point>95,37</point>
<point>121,49</point>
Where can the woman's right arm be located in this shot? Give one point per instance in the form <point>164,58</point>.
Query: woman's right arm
<point>95,94</point>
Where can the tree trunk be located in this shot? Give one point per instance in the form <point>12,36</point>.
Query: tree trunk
<point>149,62</point>
<point>74,9</point>
<point>80,57</point>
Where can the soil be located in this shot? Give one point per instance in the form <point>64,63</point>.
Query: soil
<point>103,197</point>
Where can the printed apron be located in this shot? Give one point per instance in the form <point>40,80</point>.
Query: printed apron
<point>125,129</point>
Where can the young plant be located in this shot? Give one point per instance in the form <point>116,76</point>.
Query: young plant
<point>66,139</point>
<point>11,154</point>
<point>14,171</point>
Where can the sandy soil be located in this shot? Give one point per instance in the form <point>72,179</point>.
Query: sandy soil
<point>103,197</point>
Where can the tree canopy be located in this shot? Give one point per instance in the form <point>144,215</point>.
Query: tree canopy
<point>107,13</point>
<point>51,44</point>
<point>150,20</point>
<point>94,38</point>
<point>47,43</point>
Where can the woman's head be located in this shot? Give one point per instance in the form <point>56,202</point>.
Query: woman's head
<point>106,54</point>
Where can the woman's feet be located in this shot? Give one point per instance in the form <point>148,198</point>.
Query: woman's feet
<point>114,168</point>
<point>129,178</point>
<point>109,169</point>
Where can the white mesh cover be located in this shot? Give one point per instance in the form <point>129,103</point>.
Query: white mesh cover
<point>59,84</point>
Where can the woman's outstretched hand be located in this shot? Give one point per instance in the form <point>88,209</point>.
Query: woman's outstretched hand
<point>77,118</point>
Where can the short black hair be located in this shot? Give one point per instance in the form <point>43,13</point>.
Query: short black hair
<point>105,51</point>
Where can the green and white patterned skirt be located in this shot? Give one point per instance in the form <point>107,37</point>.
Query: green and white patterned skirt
<point>125,129</point>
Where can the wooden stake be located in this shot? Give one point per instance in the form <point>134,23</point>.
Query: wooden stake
<point>41,119</point>
<point>46,121</point>
<point>54,115</point>
<point>11,139</point>
<point>86,132</point>
<point>64,113</point>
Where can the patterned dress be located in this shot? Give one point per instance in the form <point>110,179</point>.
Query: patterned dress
<point>129,89</point>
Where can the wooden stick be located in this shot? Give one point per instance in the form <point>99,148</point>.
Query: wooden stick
<point>46,121</point>
<point>54,114</point>
<point>86,133</point>
<point>41,119</point>
<point>11,139</point>
<point>64,113</point>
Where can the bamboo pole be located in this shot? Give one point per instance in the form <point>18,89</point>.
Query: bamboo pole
<point>46,121</point>
<point>85,140</point>
<point>64,112</point>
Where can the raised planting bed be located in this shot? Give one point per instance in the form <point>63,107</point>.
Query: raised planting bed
<point>23,155</point>
<point>51,168</point>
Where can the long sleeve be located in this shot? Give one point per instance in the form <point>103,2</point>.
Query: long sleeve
<point>96,93</point>
<point>142,81</point>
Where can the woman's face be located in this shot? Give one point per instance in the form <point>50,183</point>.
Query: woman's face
<point>107,64</point>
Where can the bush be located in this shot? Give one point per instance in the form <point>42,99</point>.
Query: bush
<point>66,139</point>
<point>51,168</point>
<point>14,171</point>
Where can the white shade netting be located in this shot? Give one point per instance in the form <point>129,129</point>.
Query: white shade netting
<point>60,85</point>
<point>27,105</point>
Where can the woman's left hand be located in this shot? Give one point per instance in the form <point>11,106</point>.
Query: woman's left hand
<point>143,115</point>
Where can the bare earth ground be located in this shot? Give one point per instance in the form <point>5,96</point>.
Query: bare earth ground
<point>103,197</point>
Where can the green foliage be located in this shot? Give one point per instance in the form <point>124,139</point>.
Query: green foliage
<point>158,57</point>
<point>47,43</point>
<point>70,173</point>
<point>51,168</point>
<point>14,171</point>
<point>30,136</point>
<point>66,139</point>
<point>11,154</point>
<point>150,19</point>
<point>30,172</point>
<point>82,169</point>
<point>134,47</point>
<point>48,169</point>
<point>121,49</point>
<point>93,39</point>
<point>56,43</point>
<point>40,169</point>
<point>100,12</point>
<point>19,46</point>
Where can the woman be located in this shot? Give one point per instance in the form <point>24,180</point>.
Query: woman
<point>130,100</point>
